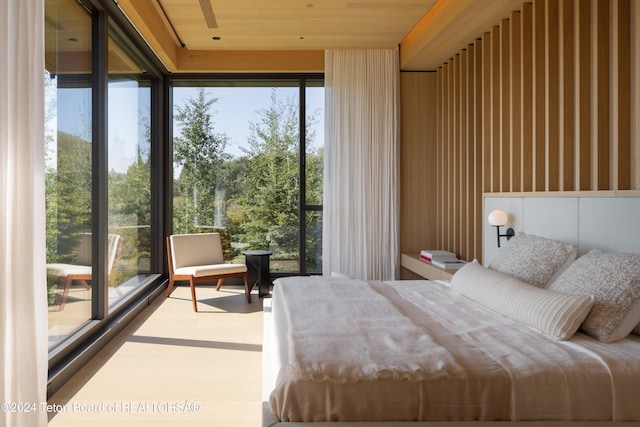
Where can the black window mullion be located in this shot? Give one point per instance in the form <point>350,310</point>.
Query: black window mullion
<point>303,178</point>
<point>99,160</point>
<point>159,179</point>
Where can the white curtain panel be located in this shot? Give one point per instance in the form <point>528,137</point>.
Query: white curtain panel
<point>23,306</point>
<point>361,182</point>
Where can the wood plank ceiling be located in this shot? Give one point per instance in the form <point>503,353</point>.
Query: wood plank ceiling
<point>291,35</point>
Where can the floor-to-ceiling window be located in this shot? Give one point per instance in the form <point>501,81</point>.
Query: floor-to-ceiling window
<point>129,169</point>
<point>247,162</point>
<point>68,139</point>
<point>101,135</point>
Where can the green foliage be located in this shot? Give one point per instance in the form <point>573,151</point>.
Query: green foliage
<point>52,286</point>
<point>130,215</point>
<point>258,192</point>
<point>68,207</point>
<point>68,204</point>
<point>272,181</point>
<point>199,153</point>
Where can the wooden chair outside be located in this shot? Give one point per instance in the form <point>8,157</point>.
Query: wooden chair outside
<point>198,258</point>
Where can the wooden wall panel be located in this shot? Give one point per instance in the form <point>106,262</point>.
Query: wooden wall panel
<point>476,142</point>
<point>419,159</point>
<point>526,35</point>
<point>454,187</point>
<point>635,95</point>
<point>487,112</point>
<point>602,120</point>
<point>439,152</point>
<point>463,166</point>
<point>623,104</point>
<point>515,102</point>
<point>546,101</point>
<point>496,117</point>
<point>505,164</point>
<point>584,94</point>
<point>567,93</point>
<point>552,90</point>
<point>446,152</point>
<point>539,96</point>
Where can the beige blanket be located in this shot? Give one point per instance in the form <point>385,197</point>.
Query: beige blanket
<point>360,335</point>
<point>472,364</point>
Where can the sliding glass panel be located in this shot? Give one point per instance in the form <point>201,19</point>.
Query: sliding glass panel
<point>313,262</point>
<point>68,92</point>
<point>314,174</point>
<point>236,166</point>
<point>314,142</point>
<point>129,169</point>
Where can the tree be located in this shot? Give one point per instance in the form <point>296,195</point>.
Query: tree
<point>72,194</point>
<point>130,214</point>
<point>271,183</point>
<point>198,156</point>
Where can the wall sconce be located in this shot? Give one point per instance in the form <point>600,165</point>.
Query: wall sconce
<point>499,219</point>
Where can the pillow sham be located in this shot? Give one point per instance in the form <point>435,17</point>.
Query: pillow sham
<point>614,280</point>
<point>555,314</point>
<point>533,259</point>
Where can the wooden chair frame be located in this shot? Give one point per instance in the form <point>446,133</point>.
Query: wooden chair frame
<point>193,280</point>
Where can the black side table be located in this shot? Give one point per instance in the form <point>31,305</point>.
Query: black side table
<point>258,270</point>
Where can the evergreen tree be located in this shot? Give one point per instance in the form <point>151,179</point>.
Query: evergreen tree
<point>272,184</point>
<point>198,154</point>
<point>72,194</point>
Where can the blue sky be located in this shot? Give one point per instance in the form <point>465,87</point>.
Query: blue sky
<point>235,108</point>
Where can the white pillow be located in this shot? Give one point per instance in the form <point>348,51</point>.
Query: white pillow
<point>554,314</point>
<point>614,280</point>
<point>533,259</point>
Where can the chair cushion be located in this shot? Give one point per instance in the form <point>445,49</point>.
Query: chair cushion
<point>190,250</point>
<point>68,269</point>
<point>210,270</point>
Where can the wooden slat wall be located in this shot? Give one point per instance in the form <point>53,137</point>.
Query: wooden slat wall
<point>545,101</point>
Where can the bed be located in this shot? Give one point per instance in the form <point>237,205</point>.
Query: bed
<point>490,346</point>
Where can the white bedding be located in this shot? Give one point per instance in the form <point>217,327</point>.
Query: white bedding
<point>493,368</point>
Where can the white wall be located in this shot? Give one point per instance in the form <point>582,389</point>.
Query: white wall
<point>607,223</point>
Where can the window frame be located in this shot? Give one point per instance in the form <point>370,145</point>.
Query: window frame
<point>302,79</point>
<point>68,357</point>
<point>75,350</point>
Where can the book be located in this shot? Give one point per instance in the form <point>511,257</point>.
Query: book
<point>449,265</point>
<point>430,255</point>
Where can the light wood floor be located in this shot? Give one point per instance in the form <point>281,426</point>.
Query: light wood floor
<point>171,359</point>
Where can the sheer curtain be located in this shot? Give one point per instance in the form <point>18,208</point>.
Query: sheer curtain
<point>361,196</point>
<point>23,305</point>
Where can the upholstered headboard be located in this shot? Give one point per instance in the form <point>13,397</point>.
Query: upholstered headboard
<point>607,223</point>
